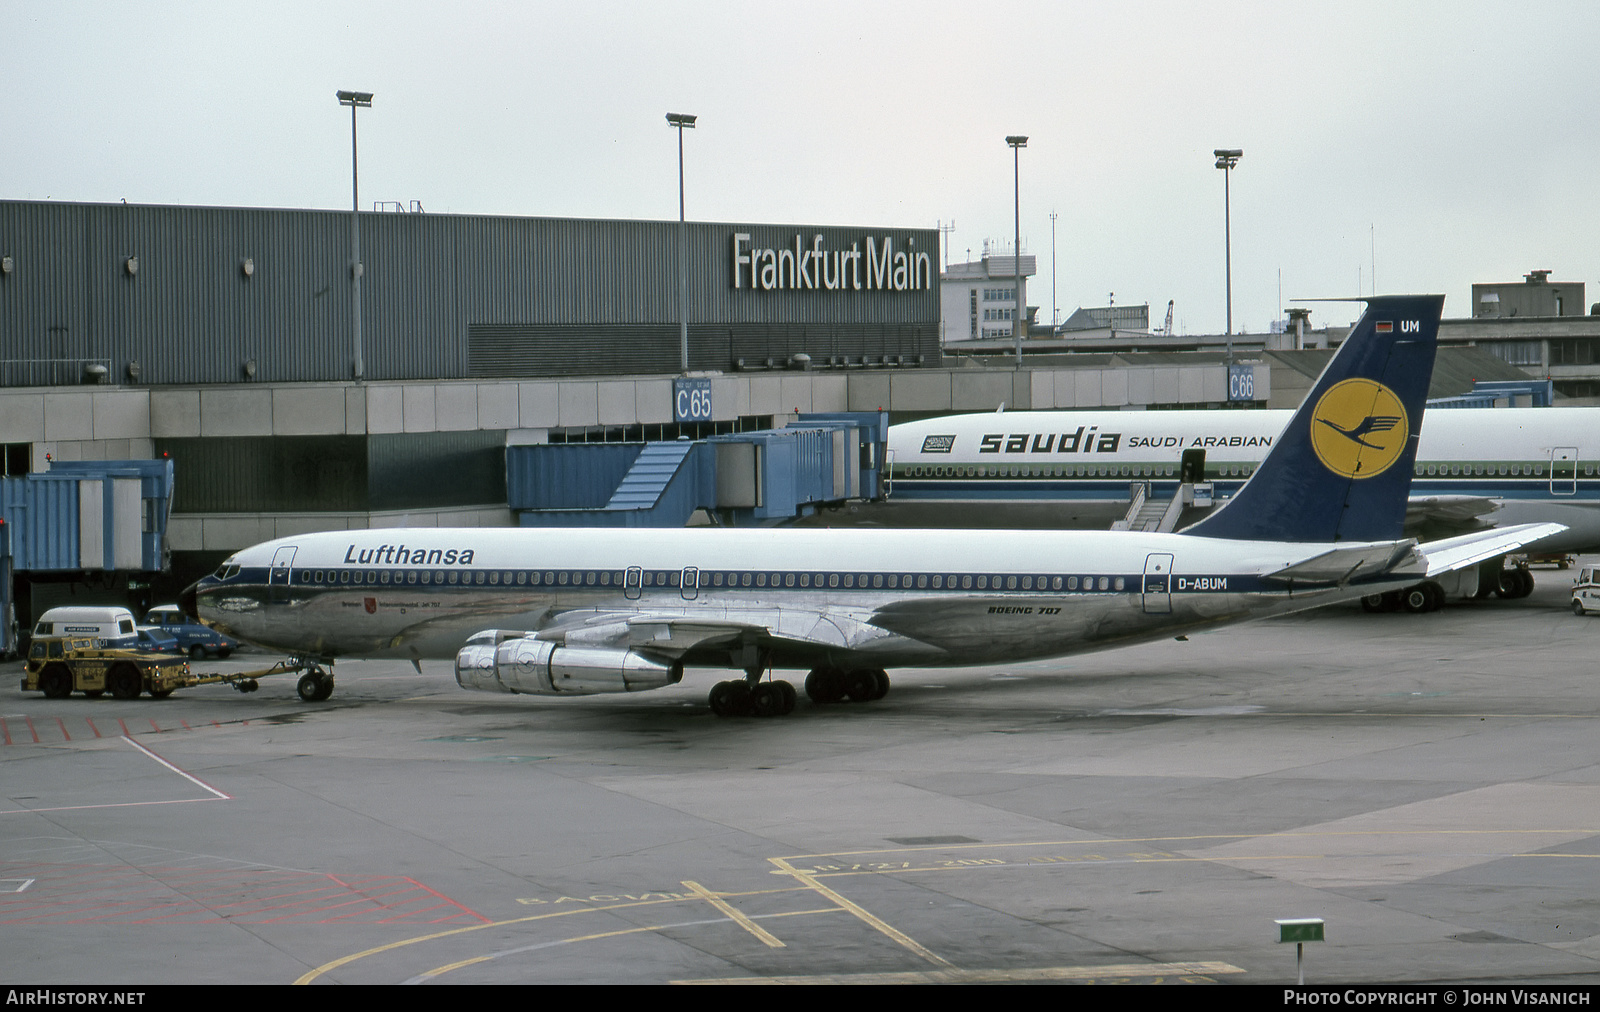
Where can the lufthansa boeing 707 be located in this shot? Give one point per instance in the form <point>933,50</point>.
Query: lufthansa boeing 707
<point>567,612</point>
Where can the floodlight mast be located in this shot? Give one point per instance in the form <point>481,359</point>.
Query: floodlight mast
<point>1017,142</point>
<point>1227,158</point>
<point>682,121</point>
<point>355,100</point>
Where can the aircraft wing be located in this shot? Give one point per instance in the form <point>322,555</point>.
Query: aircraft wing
<point>1451,554</point>
<point>672,634</point>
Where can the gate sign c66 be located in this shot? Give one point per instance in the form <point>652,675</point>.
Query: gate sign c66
<point>1241,383</point>
<point>691,400</point>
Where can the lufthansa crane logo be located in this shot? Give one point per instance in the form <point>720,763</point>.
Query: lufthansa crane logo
<point>1359,428</point>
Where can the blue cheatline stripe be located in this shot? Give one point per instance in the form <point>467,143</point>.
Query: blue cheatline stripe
<point>660,580</point>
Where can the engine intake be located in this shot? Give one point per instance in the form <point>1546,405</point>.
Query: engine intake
<point>510,662</point>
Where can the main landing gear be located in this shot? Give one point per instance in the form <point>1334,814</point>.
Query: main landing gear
<point>753,697</point>
<point>858,685</point>
<point>743,699</point>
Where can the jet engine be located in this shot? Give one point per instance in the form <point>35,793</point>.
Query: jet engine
<point>500,661</point>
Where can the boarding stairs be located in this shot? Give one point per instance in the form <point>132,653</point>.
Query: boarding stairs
<point>1152,513</point>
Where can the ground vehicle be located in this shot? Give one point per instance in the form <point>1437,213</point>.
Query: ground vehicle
<point>60,665</point>
<point>193,638</point>
<point>112,626</point>
<point>154,639</point>
<point>1586,591</point>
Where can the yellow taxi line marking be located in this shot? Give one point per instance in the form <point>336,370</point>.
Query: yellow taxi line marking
<point>767,938</point>
<point>861,913</point>
<point>440,971</point>
<point>313,974</point>
<point>955,976</point>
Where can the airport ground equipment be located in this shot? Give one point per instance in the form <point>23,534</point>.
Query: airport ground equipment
<point>1586,591</point>
<point>60,666</point>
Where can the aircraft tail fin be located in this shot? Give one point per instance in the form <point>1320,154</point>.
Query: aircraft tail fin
<point>1341,470</point>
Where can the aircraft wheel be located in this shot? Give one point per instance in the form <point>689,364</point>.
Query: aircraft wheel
<point>124,682</point>
<point>730,699</point>
<point>766,700</point>
<point>1438,595</point>
<point>314,686</point>
<point>1416,599</point>
<point>825,685</point>
<point>861,685</point>
<point>790,697</point>
<point>1515,583</point>
<point>882,678</point>
<point>56,681</point>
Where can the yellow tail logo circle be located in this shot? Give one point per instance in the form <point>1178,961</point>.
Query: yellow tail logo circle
<point>1359,428</point>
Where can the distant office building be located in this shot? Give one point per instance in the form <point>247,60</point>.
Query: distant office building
<point>1535,296</point>
<point>978,299</point>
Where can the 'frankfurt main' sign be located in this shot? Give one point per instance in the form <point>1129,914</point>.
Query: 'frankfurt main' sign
<point>872,264</point>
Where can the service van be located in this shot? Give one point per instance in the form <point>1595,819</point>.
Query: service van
<point>114,627</point>
<point>1586,592</point>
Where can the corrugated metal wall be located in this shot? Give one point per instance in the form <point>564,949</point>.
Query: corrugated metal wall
<point>542,291</point>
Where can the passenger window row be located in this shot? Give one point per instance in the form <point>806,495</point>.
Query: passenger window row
<point>706,578</point>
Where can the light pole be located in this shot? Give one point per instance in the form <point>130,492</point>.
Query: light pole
<point>1227,158</point>
<point>1017,144</point>
<point>355,100</point>
<point>682,121</point>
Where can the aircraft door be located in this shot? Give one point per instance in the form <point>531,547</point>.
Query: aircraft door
<point>1564,470</point>
<point>278,575</point>
<point>1157,584</point>
<point>691,583</point>
<point>632,582</point>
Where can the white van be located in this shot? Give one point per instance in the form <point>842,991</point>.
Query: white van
<point>113,626</point>
<point>1586,591</point>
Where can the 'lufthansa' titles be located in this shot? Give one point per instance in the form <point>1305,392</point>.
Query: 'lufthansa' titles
<point>400,555</point>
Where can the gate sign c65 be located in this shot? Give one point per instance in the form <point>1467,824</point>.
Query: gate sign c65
<point>691,400</point>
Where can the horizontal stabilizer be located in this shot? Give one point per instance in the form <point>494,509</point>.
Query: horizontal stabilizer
<point>1449,508</point>
<point>1341,565</point>
<point>1469,549</point>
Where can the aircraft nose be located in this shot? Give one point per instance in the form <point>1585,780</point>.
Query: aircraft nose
<point>187,601</point>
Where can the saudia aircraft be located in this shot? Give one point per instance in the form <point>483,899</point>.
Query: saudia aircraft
<point>1473,469</point>
<point>1046,468</point>
<point>566,612</point>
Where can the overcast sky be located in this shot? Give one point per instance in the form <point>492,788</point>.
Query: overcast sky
<point>1441,143</point>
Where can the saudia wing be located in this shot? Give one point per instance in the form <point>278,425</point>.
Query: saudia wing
<point>556,612</point>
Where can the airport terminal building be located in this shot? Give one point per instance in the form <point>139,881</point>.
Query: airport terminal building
<point>226,339</point>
